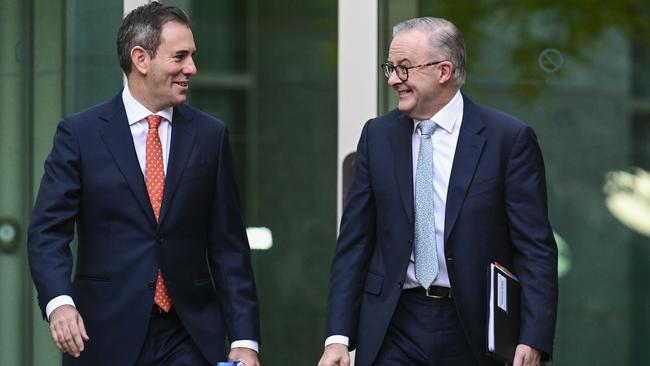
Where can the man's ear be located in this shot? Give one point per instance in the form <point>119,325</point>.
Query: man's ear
<point>446,71</point>
<point>140,60</point>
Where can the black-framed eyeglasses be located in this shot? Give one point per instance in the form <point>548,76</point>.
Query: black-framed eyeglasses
<point>403,71</point>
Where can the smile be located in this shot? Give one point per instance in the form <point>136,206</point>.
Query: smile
<point>402,93</point>
<point>181,83</point>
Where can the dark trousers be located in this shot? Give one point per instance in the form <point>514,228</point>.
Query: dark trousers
<point>425,332</point>
<point>168,343</point>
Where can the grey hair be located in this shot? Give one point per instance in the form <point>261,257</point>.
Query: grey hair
<point>446,41</point>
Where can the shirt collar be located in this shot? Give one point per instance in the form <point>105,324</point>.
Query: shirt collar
<point>447,117</point>
<point>136,112</point>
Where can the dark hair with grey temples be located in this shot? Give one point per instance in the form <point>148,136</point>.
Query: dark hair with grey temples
<point>142,27</point>
<point>446,42</point>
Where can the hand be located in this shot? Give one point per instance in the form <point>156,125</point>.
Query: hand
<point>335,354</point>
<point>68,330</point>
<point>526,356</point>
<point>246,355</point>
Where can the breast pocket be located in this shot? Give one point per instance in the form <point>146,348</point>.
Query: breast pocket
<point>483,186</point>
<point>197,172</point>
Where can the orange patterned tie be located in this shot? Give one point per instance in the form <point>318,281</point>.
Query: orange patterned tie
<point>155,180</point>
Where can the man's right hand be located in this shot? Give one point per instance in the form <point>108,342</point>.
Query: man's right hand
<point>335,354</point>
<point>68,330</point>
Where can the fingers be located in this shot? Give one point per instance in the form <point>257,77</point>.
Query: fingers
<point>68,330</point>
<point>526,356</point>
<point>246,356</point>
<point>335,355</point>
<point>334,361</point>
<point>82,328</point>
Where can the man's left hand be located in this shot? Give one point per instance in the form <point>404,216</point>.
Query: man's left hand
<point>246,355</point>
<point>526,356</point>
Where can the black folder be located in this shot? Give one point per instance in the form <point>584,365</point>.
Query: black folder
<point>504,313</point>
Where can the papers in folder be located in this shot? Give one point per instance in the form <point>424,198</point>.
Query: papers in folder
<point>504,314</point>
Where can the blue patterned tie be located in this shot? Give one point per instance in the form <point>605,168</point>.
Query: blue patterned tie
<point>426,256</point>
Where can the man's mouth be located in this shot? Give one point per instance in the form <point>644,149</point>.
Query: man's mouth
<point>402,92</point>
<point>181,83</point>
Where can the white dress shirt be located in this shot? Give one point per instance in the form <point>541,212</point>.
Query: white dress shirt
<point>136,115</point>
<point>444,139</point>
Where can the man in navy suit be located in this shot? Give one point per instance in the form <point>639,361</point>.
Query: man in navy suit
<point>163,273</point>
<point>409,288</point>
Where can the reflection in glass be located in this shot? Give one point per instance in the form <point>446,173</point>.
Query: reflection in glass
<point>628,198</point>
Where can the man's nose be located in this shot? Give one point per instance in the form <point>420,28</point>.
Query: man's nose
<point>190,67</point>
<point>393,79</point>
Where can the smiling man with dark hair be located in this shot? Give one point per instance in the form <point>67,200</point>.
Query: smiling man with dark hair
<point>163,273</point>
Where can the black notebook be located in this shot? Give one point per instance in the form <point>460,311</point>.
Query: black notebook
<point>504,313</point>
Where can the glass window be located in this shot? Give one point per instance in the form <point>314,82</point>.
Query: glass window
<point>92,72</point>
<point>578,76</point>
<point>268,70</point>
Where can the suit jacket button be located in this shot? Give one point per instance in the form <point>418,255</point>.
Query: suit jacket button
<point>401,284</point>
<point>151,285</point>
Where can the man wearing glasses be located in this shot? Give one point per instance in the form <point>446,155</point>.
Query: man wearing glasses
<point>442,188</point>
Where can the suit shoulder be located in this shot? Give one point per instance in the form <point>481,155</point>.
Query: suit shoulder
<point>495,117</point>
<point>386,120</point>
<point>201,117</point>
<point>91,113</point>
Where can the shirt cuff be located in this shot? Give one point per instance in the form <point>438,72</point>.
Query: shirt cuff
<point>56,302</point>
<point>246,343</point>
<point>337,339</point>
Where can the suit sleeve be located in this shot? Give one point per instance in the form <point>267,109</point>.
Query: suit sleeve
<point>535,257</point>
<point>52,226</point>
<point>229,254</point>
<point>354,248</point>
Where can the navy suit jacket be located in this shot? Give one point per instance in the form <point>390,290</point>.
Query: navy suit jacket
<point>496,210</point>
<point>93,182</point>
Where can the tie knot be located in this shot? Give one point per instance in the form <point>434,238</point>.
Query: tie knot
<point>426,127</point>
<point>154,121</point>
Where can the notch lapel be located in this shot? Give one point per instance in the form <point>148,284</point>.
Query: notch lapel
<point>181,145</point>
<point>401,142</point>
<point>468,152</point>
<point>119,141</point>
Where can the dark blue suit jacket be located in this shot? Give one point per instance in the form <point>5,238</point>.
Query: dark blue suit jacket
<point>93,182</point>
<point>496,210</point>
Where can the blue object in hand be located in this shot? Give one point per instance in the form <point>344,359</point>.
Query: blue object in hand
<point>227,363</point>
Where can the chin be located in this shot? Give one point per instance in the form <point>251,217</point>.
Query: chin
<point>405,107</point>
<point>179,101</point>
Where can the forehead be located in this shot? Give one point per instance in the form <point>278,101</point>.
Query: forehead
<point>412,45</point>
<point>176,36</point>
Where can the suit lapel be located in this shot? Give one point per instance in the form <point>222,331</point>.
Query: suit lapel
<point>468,152</point>
<point>181,146</point>
<point>119,141</point>
<point>401,140</point>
